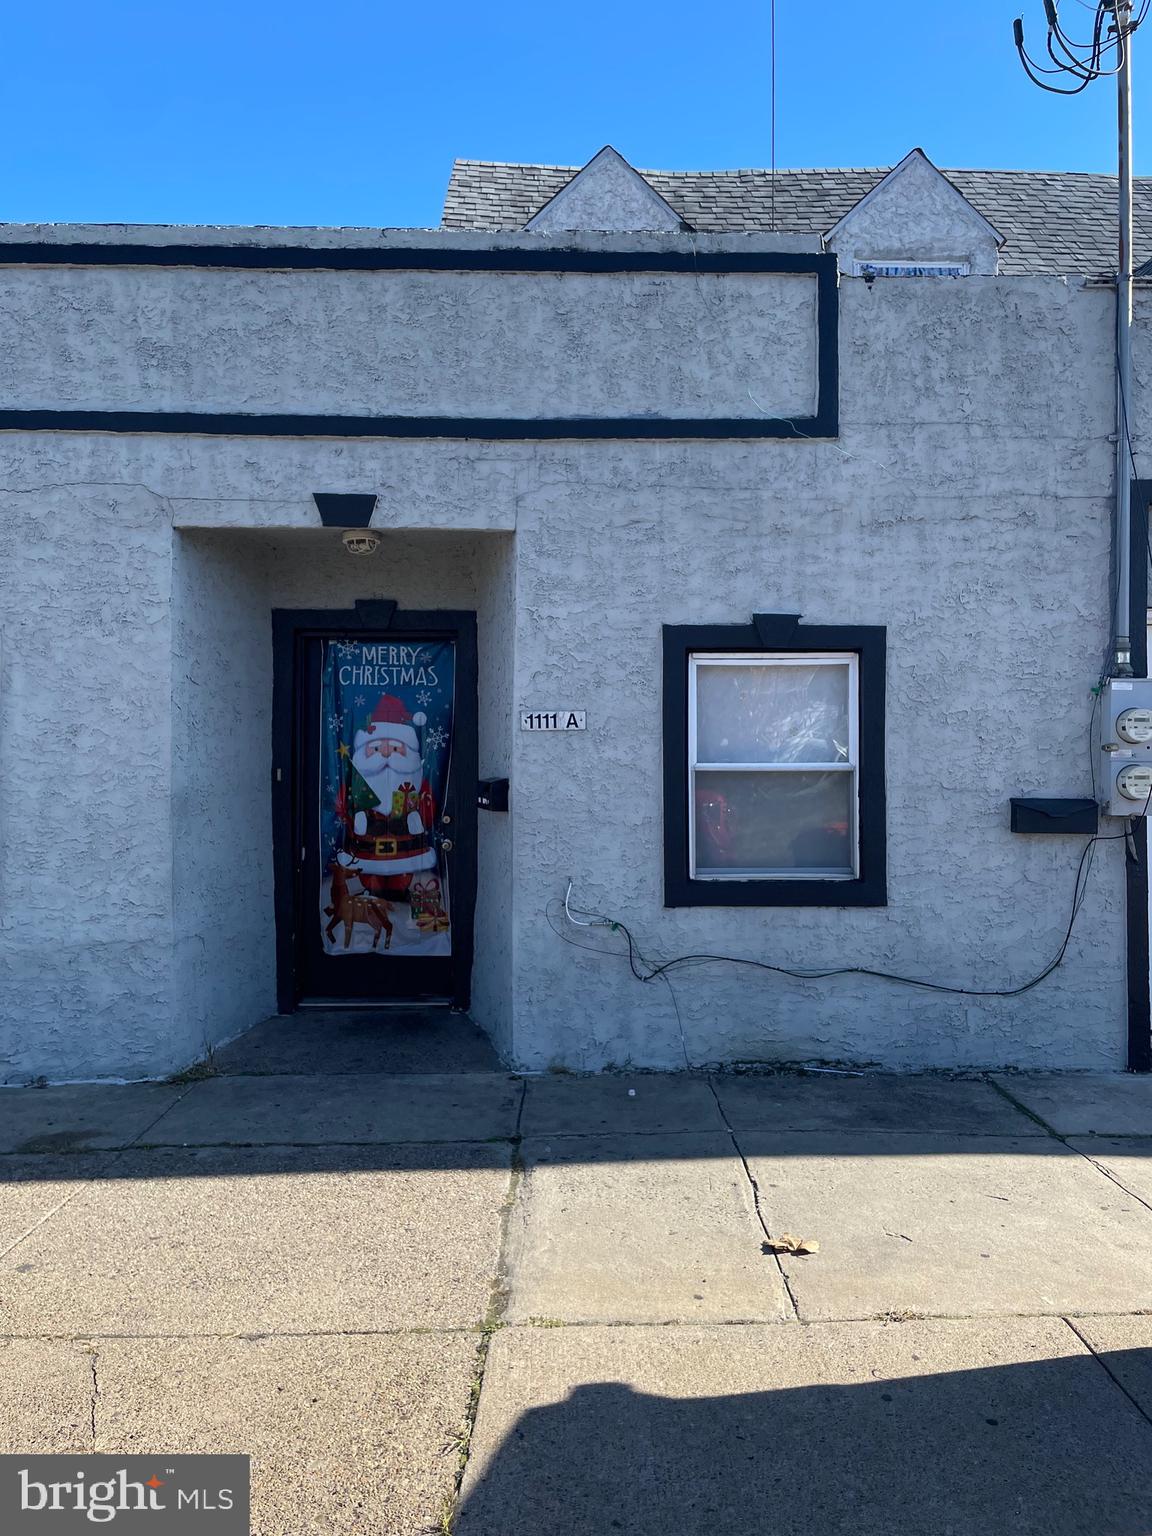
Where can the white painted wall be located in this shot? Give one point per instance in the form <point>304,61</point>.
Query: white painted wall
<point>410,343</point>
<point>606,194</point>
<point>85,764</point>
<point>915,215</point>
<point>965,506</point>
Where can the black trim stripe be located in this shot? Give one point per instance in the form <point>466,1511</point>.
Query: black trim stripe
<point>425,258</point>
<point>1136,888</point>
<point>825,423</point>
<point>489,428</point>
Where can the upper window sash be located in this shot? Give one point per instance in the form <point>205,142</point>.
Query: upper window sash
<point>847,659</point>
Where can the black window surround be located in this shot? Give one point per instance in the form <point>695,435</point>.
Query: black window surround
<point>777,632</point>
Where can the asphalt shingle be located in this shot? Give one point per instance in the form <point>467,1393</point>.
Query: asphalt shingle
<point>1052,221</point>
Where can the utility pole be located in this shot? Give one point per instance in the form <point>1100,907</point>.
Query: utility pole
<point>1109,52</point>
<point>1124,456</point>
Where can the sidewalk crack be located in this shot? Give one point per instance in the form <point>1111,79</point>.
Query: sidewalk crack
<point>48,1215</point>
<point>769,1240</point>
<point>1099,1358</point>
<point>167,1110</point>
<point>101,1162</point>
<point>95,1394</point>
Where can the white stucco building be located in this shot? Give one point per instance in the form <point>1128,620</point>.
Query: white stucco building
<point>792,501</point>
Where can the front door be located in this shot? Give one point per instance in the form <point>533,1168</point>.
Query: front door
<point>383,795</point>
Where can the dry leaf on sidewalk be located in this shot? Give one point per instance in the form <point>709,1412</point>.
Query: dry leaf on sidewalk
<point>786,1243</point>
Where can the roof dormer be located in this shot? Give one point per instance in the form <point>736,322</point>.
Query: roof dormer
<point>915,221</point>
<point>607,194</point>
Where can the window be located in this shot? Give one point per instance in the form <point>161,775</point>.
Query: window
<point>774,773</point>
<point>772,748</point>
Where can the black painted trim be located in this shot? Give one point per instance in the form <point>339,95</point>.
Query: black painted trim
<point>426,258</point>
<point>485,428</point>
<point>289,627</point>
<point>1136,888</point>
<point>870,644</point>
<point>343,511</point>
<point>825,423</point>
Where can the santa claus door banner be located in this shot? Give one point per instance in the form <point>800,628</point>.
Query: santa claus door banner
<point>385,750</point>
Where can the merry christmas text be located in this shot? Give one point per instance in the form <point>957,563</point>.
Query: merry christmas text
<point>389,666</point>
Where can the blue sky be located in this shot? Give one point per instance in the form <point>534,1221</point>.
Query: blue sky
<point>350,113</point>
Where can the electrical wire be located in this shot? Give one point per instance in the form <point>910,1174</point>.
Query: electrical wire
<point>1103,56</point>
<point>654,972</point>
<point>772,134</point>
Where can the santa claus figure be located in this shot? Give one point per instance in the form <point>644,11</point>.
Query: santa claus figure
<point>388,804</point>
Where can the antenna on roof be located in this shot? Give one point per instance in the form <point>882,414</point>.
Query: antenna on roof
<point>1108,52</point>
<point>772,134</point>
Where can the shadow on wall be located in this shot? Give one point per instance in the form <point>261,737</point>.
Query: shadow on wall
<point>1045,1448</point>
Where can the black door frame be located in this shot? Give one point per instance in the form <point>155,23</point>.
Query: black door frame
<point>290,626</point>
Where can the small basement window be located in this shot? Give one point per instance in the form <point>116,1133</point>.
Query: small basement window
<point>774,771</point>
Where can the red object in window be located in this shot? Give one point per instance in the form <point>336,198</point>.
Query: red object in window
<point>713,819</point>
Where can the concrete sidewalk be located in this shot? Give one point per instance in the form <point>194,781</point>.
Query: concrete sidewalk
<point>433,1300</point>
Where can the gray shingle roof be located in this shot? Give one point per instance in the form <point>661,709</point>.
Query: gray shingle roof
<point>1052,221</point>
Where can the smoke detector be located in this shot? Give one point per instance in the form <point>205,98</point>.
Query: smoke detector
<point>360,541</point>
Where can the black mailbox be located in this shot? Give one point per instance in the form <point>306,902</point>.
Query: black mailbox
<point>1049,816</point>
<point>492,794</point>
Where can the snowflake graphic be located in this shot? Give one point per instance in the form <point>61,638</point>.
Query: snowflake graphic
<point>360,701</point>
<point>423,697</point>
<point>437,738</point>
<point>348,650</point>
<point>334,722</point>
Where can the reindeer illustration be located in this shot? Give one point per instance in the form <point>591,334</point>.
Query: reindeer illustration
<point>348,909</point>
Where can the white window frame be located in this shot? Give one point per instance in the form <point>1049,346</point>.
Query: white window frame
<point>851,764</point>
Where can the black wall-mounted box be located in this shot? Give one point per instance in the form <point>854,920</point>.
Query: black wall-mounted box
<point>1055,816</point>
<point>492,794</point>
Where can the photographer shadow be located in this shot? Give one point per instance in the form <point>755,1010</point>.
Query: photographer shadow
<point>1050,1447</point>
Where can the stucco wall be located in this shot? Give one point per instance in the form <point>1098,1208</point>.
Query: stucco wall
<point>229,582</point>
<point>965,506</point>
<point>606,194</point>
<point>915,216</point>
<point>85,753</point>
<point>410,343</point>
<point>221,830</point>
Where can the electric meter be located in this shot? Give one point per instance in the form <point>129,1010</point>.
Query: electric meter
<point>1134,725</point>
<point>1123,715</point>
<point>1134,781</point>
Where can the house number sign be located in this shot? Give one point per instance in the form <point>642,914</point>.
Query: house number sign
<point>553,720</point>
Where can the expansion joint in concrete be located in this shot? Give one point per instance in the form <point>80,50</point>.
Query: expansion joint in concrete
<point>1023,1109</point>
<point>769,1242</point>
<point>1066,1142</point>
<point>1103,1362</point>
<point>493,1320</point>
